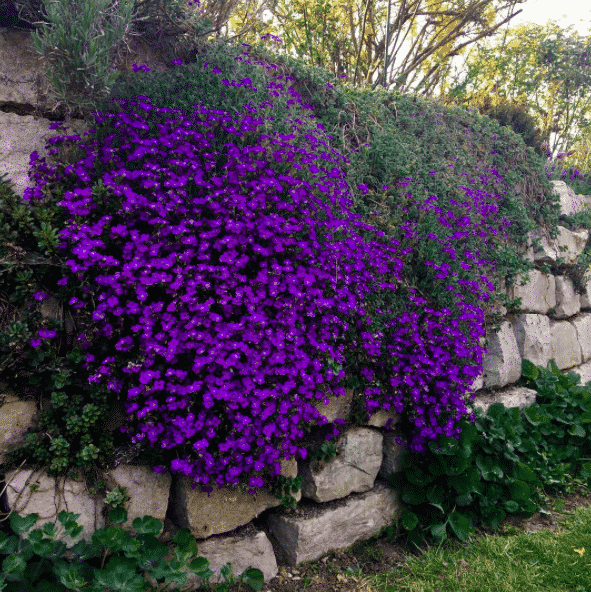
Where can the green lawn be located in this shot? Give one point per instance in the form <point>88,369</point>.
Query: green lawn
<point>549,561</point>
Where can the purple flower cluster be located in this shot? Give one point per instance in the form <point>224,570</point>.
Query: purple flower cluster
<point>231,277</point>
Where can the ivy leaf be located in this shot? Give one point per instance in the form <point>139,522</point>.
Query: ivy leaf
<point>439,531</point>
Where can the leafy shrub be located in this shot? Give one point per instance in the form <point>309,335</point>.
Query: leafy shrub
<point>502,462</point>
<point>114,559</point>
<point>513,115</point>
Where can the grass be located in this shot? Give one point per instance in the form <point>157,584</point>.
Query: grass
<point>547,560</point>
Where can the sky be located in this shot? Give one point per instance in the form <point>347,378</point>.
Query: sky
<point>575,12</point>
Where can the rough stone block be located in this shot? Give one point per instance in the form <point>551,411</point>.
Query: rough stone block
<point>538,295</point>
<point>568,302</point>
<point>16,417</point>
<point>241,551</point>
<point>148,492</point>
<point>582,325</point>
<point>502,362</point>
<point>585,299</point>
<point>34,492</point>
<point>354,469</point>
<point>568,244</point>
<point>223,509</point>
<point>338,407</point>
<point>392,461</point>
<point>566,351</point>
<point>515,396</point>
<point>584,371</point>
<point>337,525</point>
<point>570,203</point>
<point>532,333</point>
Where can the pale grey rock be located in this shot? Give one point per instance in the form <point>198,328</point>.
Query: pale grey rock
<point>568,302</point>
<point>532,333</point>
<point>515,396</point>
<point>502,362</point>
<point>538,295</point>
<point>16,417</point>
<point>566,351</point>
<point>582,325</point>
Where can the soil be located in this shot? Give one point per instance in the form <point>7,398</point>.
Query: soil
<point>379,555</point>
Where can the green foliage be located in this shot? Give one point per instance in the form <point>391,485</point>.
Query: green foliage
<point>285,488</point>
<point>503,463</point>
<point>515,116</point>
<point>114,560</point>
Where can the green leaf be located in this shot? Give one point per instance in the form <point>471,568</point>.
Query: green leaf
<point>416,537</point>
<point>112,536</point>
<point>118,515</point>
<point>8,544</point>
<point>577,430</point>
<point>511,506</point>
<point>409,519</point>
<point>413,495</point>
<point>439,531</point>
<point>524,473</point>
<point>186,541</point>
<point>519,490</point>
<point>436,496</point>
<point>460,525</point>
<point>21,524</point>
<point>147,525</point>
<point>200,567</point>
<point>253,577</point>
<point>495,518</point>
<point>119,575</point>
<point>14,564</point>
<point>73,578</point>
<point>45,586</point>
<point>66,517</point>
<point>464,499</point>
<point>418,477</point>
<point>49,529</point>
<point>529,370</point>
<point>533,415</point>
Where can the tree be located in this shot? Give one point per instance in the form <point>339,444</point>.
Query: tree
<point>350,37</point>
<point>545,68</point>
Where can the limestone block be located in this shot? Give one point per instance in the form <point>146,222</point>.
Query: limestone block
<point>585,298</point>
<point>582,324</point>
<point>19,136</point>
<point>584,371</point>
<point>515,396</point>
<point>338,407</point>
<point>380,418</point>
<point>241,552</point>
<point>34,492</point>
<point>223,509</point>
<point>148,492</point>
<point>568,244</point>
<point>568,302</point>
<point>532,333</point>
<point>538,295</point>
<point>502,362</point>
<point>16,417</point>
<point>570,203</point>
<point>354,469</point>
<point>392,460</point>
<point>566,351</point>
<point>336,526</point>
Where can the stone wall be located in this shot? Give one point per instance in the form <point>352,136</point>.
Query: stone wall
<point>342,501</point>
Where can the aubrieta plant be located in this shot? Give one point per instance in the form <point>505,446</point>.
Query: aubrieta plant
<point>234,267</point>
<point>230,276</point>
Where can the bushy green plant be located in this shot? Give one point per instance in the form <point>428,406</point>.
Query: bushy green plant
<point>502,463</point>
<point>513,115</point>
<point>114,560</point>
